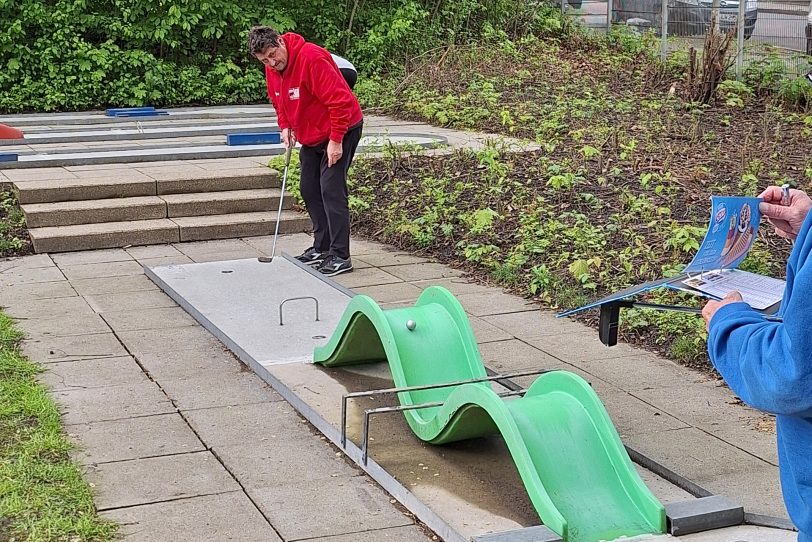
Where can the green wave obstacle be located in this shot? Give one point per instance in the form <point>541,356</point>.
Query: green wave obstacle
<point>569,456</point>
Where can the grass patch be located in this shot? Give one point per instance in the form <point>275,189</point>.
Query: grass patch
<point>42,494</point>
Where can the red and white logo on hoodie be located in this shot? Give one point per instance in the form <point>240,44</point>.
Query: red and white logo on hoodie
<point>293,93</point>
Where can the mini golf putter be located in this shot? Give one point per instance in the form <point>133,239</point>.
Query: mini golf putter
<point>269,259</point>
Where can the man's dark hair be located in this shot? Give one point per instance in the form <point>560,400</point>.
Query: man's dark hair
<point>262,37</point>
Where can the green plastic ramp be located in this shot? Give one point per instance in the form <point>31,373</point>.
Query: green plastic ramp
<point>568,454</point>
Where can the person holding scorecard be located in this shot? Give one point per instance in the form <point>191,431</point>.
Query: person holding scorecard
<point>768,363</point>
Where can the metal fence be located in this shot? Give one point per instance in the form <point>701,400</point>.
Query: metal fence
<point>777,32</point>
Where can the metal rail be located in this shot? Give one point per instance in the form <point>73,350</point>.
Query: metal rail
<point>495,377</point>
<point>401,408</point>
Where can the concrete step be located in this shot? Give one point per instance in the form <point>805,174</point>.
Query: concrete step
<point>51,191</point>
<point>69,213</point>
<point>160,231</point>
<point>94,211</point>
<point>104,235</point>
<point>218,181</point>
<point>226,202</point>
<point>135,184</point>
<point>200,228</point>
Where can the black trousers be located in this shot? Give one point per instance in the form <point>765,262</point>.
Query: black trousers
<point>324,190</point>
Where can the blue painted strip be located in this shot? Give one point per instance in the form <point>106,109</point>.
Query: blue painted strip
<point>114,110</point>
<point>8,157</point>
<point>152,113</point>
<point>258,138</point>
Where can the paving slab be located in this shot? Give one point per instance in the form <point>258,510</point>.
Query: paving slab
<point>35,261</point>
<point>106,255</point>
<point>759,492</point>
<point>371,276</point>
<point>517,356</point>
<point>226,247</point>
<point>153,318</point>
<point>167,340</point>
<point>92,373</point>
<point>225,255</point>
<point>716,465</point>
<point>271,466</point>
<point>421,271</point>
<point>132,438</point>
<point>631,416</point>
<point>29,309</point>
<point>152,251</point>
<point>156,479</point>
<point>215,361</point>
<point>492,303</point>
<point>222,517</point>
<point>112,403</point>
<point>165,260</point>
<point>202,391</point>
<point>751,437</point>
<point>65,326</point>
<point>293,243</point>
<point>254,425</point>
<point>305,510</point>
<point>247,162</point>
<point>113,285</point>
<point>360,246</point>
<point>384,259</point>
<point>457,285</point>
<point>32,174</point>
<point>705,404</point>
<point>129,301</point>
<point>636,371</point>
<point>485,332</point>
<point>107,171</point>
<point>34,291</point>
<point>391,293</point>
<point>15,276</point>
<point>528,324</point>
<point>587,348</point>
<point>95,271</point>
<point>53,349</point>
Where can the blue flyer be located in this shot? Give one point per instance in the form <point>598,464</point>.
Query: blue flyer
<point>731,232</point>
<point>712,273</point>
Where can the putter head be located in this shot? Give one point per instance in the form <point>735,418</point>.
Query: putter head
<point>265,259</point>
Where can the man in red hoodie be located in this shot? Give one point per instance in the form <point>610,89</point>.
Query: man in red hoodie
<point>315,107</point>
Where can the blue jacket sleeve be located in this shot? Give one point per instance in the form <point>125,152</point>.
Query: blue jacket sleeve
<point>769,364</point>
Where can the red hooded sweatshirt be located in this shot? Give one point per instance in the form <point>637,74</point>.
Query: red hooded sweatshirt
<point>310,95</point>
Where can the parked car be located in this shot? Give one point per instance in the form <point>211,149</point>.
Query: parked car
<point>685,17</point>
<point>729,14</point>
<point>809,30</point>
